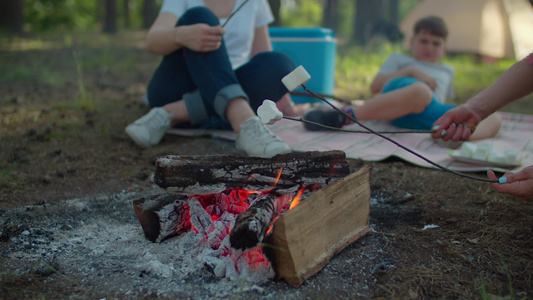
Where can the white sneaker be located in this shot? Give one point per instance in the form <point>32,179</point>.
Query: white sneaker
<point>257,140</point>
<point>150,129</point>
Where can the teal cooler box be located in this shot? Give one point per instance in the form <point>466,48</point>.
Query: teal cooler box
<point>313,48</point>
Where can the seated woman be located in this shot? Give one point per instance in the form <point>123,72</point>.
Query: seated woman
<point>213,76</point>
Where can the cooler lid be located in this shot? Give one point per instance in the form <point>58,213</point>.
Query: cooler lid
<point>300,32</point>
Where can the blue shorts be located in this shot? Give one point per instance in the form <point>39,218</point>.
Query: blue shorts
<point>423,120</point>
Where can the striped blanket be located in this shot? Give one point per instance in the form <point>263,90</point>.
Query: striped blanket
<point>516,133</point>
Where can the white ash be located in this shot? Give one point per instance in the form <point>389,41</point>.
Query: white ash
<point>111,245</point>
<point>95,247</point>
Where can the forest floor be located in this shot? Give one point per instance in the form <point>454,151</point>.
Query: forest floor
<point>63,109</point>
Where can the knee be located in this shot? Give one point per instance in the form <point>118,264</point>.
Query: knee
<point>422,94</point>
<point>278,61</point>
<point>198,14</point>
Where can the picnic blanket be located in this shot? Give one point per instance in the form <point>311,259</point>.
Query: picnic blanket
<point>516,133</point>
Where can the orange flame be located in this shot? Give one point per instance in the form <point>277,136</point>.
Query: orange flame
<point>296,200</point>
<point>278,177</point>
<point>269,230</point>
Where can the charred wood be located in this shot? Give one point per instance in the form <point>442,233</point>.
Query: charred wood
<point>162,216</point>
<point>286,173</point>
<point>251,225</point>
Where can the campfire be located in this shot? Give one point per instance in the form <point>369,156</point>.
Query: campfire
<point>285,216</point>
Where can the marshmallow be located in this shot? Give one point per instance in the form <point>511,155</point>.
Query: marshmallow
<point>486,146</point>
<point>296,78</point>
<point>268,112</point>
<point>481,153</point>
<point>468,149</point>
<point>495,156</point>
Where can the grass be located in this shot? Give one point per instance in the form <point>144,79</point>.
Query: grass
<point>356,68</point>
<point>6,174</point>
<point>85,99</point>
<point>486,290</point>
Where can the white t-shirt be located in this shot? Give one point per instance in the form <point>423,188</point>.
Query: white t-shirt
<point>239,30</point>
<point>443,74</point>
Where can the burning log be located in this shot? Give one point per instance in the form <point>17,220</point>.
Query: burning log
<point>251,225</point>
<point>162,216</point>
<point>303,245</point>
<point>210,174</point>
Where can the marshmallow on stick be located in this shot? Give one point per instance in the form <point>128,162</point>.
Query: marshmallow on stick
<point>296,78</point>
<point>269,112</point>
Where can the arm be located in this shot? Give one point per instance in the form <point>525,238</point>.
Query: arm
<point>512,85</point>
<point>382,78</point>
<point>164,38</point>
<point>261,41</point>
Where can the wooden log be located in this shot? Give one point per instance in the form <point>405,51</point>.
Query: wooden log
<point>286,173</point>
<point>251,225</point>
<point>305,238</point>
<point>162,216</point>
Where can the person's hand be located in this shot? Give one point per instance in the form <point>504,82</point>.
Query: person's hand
<point>200,37</point>
<point>424,77</point>
<point>519,184</point>
<point>456,124</point>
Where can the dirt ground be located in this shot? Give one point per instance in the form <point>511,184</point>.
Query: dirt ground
<point>57,146</point>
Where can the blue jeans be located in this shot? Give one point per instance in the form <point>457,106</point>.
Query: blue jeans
<point>420,121</point>
<point>207,81</point>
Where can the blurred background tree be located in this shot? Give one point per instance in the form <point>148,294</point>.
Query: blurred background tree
<point>351,20</point>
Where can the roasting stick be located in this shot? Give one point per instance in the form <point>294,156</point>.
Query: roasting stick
<point>233,13</point>
<point>355,131</point>
<point>298,78</point>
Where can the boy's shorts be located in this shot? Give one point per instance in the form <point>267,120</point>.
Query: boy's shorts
<point>423,120</point>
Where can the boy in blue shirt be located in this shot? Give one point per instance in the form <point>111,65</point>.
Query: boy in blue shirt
<point>412,89</point>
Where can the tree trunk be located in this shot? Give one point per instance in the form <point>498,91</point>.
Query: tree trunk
<point>12,15</point>
<point>366,13</point>
<point>126,8</point>
<point>149,13</point>
<point>394,11</point>
<point>275,5</point>
<point>331,16</point>
<point>110,21</point>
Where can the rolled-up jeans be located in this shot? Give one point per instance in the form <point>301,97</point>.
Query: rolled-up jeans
<point>207,81</point>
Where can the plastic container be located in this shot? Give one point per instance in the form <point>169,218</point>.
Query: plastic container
<point>313,48</point>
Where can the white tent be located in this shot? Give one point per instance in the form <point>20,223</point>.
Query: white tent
<point>495,28</point>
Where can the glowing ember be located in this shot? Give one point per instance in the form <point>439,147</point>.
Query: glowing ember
<point>212,217</point>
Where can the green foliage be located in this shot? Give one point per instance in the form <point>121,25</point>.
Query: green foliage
<point>307,13</point>
<point>406,6</point>
<point>355,70</point>
<point>346,19</point>
<point>59,14</point>
<point>472,75</point>
<point>53,15</point>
